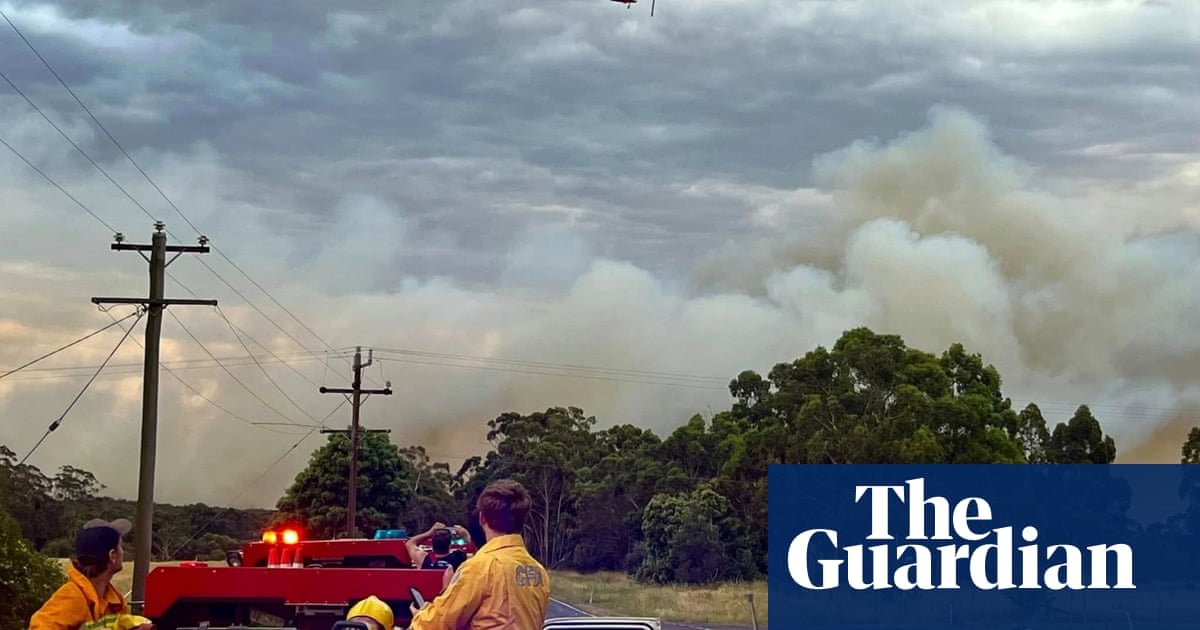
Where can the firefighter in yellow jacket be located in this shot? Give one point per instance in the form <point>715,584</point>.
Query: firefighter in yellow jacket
<point>501,586</point>
<point>89,601</point>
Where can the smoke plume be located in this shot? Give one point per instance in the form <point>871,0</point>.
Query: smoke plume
<point>937,235</point>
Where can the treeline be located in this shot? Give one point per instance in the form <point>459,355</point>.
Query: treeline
<point>49,511</point>
<point>687,507</point>
<point>692,507</point>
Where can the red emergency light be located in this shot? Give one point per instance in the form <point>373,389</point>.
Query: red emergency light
<point>288,536</point>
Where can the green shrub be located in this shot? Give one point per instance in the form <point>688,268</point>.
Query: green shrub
<point>693,538</point>
<point>60,548</point>
<point>27,578</point>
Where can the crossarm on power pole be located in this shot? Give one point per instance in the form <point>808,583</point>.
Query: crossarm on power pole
<point>188,249</point>
<point>154,303</point>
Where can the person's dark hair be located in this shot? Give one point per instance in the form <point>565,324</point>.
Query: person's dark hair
<point>440,541</point>
<point>478,536</point>
<point>93,544</point>
<point>90,566</point>
<point>505,504</point>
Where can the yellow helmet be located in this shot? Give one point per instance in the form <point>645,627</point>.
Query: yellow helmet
<point>374,608</point>
<point>129,622</point>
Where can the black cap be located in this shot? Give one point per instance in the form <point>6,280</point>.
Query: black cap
<point>98,537</point>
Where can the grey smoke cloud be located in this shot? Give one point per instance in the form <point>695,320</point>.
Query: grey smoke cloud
<point>472,180</point>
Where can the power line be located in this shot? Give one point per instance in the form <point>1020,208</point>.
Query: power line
<point>206,398</point>
<point>118,369</point>
<point>561,366</point>
<point>77,147</point>
<point>273,322</point>
<point>514,370</point>
<point>110,227</point>
<point>55,184</point>
<point>257,309</point>
<point>95,216</point>
<point>265,292</point>
<point>84,338</point>
<point>155,185</point>
<point>160,192</point>
<point>277,325</point>
<point>255,306</point>
<point>273,355</point>
<point>54,425</point>
<point>109,178</point>
<point>186,364</point>
<point>260,367</point>
<point>231,374</point>
<point>269,468</point>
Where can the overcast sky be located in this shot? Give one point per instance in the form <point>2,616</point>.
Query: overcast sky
<point>720,187</point>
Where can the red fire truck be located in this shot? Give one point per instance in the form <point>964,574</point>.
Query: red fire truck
<point>284,581</point>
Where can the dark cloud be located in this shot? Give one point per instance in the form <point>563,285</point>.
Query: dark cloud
<point>747,92</point>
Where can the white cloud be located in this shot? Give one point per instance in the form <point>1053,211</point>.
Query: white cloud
<point>100,35</point>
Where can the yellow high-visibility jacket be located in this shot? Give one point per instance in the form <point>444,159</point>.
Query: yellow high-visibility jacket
<point>77,606</point>
<point>501,586</point>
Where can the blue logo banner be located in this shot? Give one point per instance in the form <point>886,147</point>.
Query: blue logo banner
<point>1070,547</point>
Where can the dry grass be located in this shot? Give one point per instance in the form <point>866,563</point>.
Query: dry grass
<point>123,580</point>
<point>617,594</point>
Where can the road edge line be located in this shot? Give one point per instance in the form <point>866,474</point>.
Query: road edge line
<point>576,609</point>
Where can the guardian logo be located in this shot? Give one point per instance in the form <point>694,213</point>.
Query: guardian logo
<point>995,546</point>
<point>965,520</point>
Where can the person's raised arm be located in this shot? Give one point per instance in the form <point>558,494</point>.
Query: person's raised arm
<point>415,553</point>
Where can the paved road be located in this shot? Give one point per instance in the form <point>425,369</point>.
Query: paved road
<point>563,609</point>
<point>559,609</point>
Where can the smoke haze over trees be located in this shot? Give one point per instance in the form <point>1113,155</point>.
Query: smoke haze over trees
<point>691,505</point>
<point>688,506</point>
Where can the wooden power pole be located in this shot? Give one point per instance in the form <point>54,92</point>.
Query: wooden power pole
<point>357,391</point>
<point>154,304</point>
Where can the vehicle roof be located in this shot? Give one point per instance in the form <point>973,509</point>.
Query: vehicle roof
<point>606,623</point>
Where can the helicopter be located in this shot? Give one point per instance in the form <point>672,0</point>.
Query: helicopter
<point>629,4</point>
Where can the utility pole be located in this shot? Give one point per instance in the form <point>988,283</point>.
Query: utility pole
<point>154,305</point>
<point>357,391</point>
